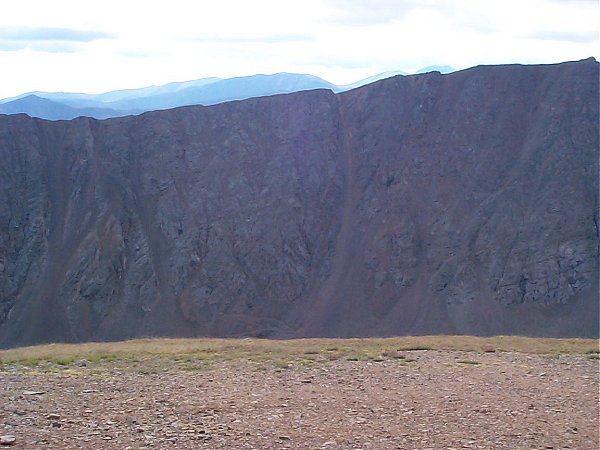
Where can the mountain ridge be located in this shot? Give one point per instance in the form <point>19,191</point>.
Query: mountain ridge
<point>204,91</point>
<point>427,204</point>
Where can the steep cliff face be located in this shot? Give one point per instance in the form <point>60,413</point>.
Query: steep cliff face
<point>473,208</point>
<point>462,203</point>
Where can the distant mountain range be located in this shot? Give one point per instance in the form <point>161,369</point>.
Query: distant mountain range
<point>205,91</point>
<point>37,106</point>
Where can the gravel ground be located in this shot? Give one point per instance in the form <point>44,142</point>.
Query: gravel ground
<point>420,400</point>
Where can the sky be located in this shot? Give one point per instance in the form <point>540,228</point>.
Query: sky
<point>96,46</point>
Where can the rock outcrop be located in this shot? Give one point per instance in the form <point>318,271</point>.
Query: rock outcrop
<point>462,203</point>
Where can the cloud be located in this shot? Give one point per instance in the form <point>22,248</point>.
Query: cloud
<point>252,39</point>
<point>11,46</point>
<point>347,62</point>
<point>47,39</point>
<point>128,53</point>
<point>566,36</point>
<point>40,46</point>
<point>374,12</point>
<point>30,34</point>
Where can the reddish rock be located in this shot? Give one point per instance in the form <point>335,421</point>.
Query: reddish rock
<point>460,203</point>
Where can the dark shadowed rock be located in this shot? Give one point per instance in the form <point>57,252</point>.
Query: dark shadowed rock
<point>461,203</point>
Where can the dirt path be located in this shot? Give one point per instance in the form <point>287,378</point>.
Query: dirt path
<point>429,399</point>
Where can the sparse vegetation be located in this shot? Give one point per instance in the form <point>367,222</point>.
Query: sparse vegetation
<point>468,361</point>
<point>194,354</point>
<point>593,354</point>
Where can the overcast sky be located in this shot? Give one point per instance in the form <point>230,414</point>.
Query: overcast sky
<point>100,45</point>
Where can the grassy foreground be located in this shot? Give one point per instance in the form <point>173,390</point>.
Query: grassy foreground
<point>194,353</point>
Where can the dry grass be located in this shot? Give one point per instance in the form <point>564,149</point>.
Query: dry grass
<point>193,354</point>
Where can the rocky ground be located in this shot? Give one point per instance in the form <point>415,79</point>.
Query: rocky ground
<point>411,400</point>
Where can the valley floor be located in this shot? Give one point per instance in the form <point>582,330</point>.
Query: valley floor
<point>409,399</point>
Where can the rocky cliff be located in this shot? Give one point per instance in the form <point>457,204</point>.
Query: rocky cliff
<point>460,203</point>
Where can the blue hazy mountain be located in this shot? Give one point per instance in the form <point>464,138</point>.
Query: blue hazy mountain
<point>104,100</point>
<point>35,106</point>
<point>372,79</point>
<point>204,91</point>
<point>441,69</point>
<point>220,91</point>
<point>80,99</point>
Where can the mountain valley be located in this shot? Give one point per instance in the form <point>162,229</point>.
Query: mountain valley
<point>463,203</point>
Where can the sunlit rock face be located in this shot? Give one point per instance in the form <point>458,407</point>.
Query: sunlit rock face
<point>462,203</point>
